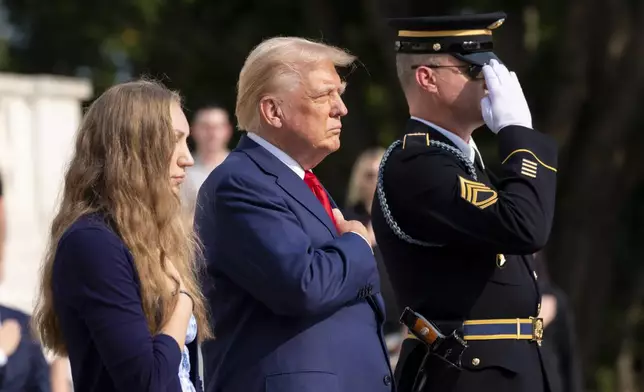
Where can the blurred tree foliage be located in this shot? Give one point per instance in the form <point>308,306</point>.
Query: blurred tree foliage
<point>580,63</point>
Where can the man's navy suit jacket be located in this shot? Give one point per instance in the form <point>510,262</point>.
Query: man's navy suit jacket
<point>295,306</point>
<point>26,369</point>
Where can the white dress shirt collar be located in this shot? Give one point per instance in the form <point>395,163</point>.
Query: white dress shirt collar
<point>469,149</point>
<point>279,154</point>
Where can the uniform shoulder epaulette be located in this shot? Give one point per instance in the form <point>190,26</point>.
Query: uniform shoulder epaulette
<point>420,141</point>
<point>416,139</point>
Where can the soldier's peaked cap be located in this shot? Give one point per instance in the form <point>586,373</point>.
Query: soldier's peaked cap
<point>468,37</point>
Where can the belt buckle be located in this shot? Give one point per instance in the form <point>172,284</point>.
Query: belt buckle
<point>537,330</point>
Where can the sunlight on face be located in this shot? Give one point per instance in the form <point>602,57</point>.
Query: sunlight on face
<point>459,91</point>
<point>316,108</point>
<point>181,157</point>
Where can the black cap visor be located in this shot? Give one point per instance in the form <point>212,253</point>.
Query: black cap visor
<point>479,58</point>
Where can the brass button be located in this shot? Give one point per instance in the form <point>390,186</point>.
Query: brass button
<point>538,309</point>
<point>476,361</point>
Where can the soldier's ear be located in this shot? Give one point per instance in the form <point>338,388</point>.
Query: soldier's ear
<point>426,79</point>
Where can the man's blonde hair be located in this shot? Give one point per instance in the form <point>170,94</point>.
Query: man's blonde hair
<point>275,64</point>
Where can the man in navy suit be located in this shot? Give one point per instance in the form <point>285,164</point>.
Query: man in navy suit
<point>23,367</point>
<point>293,288</point>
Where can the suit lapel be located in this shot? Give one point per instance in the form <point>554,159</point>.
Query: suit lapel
<point>287,180</point>
<point>298,189</point>
<point>333,203</point>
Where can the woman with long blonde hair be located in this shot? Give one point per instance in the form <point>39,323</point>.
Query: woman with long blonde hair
<point>119,291</point>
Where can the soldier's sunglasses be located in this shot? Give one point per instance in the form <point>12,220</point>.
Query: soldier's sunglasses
<point>474,72</point>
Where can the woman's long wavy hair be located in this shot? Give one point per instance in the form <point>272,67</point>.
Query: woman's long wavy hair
<point>121,170</point>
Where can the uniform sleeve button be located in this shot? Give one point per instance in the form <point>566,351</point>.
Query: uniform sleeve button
<point>476,361</point>
<point>387,380</point>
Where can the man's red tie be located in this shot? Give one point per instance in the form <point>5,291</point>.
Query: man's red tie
<point>312,181</point>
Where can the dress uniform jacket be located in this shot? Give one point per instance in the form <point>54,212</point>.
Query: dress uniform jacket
<point>478,236</point>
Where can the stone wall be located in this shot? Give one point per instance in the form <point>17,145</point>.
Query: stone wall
<point>39,116</point>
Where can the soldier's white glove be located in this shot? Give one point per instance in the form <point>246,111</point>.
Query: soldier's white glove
<point>505,103</point>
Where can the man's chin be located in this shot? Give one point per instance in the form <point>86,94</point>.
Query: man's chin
<point>332,144</point>
<point>335,146</point>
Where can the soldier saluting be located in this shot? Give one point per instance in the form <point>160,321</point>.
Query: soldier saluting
<point>458,241</point>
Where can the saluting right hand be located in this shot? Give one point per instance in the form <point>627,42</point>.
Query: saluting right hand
<point>505,103</point>
<point>345,226</point>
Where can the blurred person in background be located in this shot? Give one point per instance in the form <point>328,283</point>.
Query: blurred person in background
<point>295,287</point>
<point>23,367</point>
<point>357,206</point>
<point>559,348</point>
<point>211,131</point>
<point>362,184</point>
<point>119,292</point>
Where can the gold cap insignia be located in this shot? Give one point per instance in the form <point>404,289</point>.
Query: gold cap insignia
<point>496,24</point>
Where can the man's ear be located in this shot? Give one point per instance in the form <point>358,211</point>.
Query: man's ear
<point>426,79</point>
<point>271,111</point>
